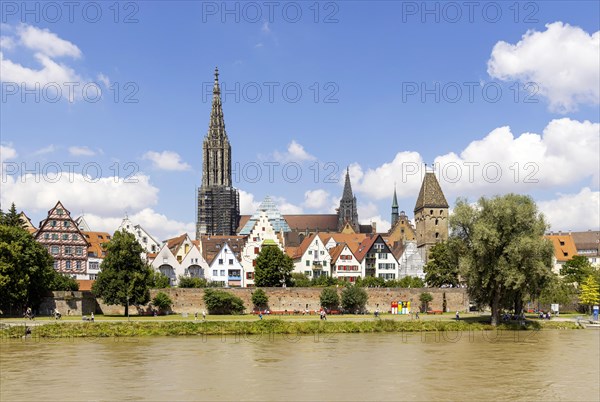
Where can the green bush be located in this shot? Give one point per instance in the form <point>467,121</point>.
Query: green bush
<point>158,280</point>
<point>370,282</point>
<point>329,298</point>
<point>63,282</point>
<point>354,298</point>
<point>187,282</point>
<point>162,301</point>
<point>221,302</point>
<point>425,298</point>
<point>260,299</point>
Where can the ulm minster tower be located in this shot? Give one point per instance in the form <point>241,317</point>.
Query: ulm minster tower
<point>218,200</point>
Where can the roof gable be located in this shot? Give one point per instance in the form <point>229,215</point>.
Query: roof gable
<point>431,194</point>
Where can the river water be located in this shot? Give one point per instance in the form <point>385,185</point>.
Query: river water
<point>545,365</point>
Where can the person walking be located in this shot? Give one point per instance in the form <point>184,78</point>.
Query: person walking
<point>457,316</point>
<point>203,315</point>
<point>92,318</point>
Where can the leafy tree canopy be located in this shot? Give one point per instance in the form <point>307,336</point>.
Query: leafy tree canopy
<point>273,268</point>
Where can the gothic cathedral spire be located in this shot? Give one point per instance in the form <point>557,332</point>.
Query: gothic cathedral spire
<point>394,207</point>
<point>347,212</point>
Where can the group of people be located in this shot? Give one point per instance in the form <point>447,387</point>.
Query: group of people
<point>323,314</point>
<point>203,315</point>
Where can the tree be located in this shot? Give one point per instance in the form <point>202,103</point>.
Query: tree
<point>410,282</point>
<point>273,268</point>
<point>124,276</point>
<point>26,270</point>
<point>162,301</point>
<point>370,282</point>
<point>557,291</point>
<point>11,218</point>
<point>189,282</point>
<point>63,282</point>
<point>222,302</point>
<point>503,255</point>
<point>354,298</point>
<point>260,299</point>
<point>442,267</point>
<point>589,292</point>
<point>329,298</point>
<point>577,269</point>
<point>300,280</point>
<point>158,280</point>
<point>425,298</point>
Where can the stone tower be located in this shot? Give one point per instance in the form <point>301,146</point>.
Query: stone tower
<point>347,211</point>
<point>431,215</point>
<point>395,215</point>
<point>218,201</point>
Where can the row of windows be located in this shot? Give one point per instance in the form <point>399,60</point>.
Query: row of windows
<point>387,276</point>
<point>67,250</point>
<point>64,236</point>
<point>348,268</point>
<point>308,263</point>
<point>69,264</point>
<point>345,257</point>
<point>321,252</point>
<point>55,224</point>
<point>221,261</point>
<point>387,266</point>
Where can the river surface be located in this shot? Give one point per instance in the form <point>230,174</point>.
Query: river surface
<point>546,366</point>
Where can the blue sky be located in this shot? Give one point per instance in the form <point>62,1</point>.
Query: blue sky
<point>362,68</point>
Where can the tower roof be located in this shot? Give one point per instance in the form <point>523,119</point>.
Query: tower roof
<point>431,194</point>
<point>216,127</point>
<point>395,200</point>
<point>347,195</point>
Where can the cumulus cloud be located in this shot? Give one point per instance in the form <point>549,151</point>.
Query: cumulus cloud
<point>166,160</point>
<point>295,153</point>
<point>7,152</point>
<point>320,200</point>
<point>577,212</point>
<point>46,150</point>
<point>54,79</point>
<point>105,196</point>
<point>562,60</point>
<point>286,207</point>
<point>81,151</point>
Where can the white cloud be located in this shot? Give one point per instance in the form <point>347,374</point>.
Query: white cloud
<point>7,152</point>
<point>563,61</point>
<point>265,27</point>
<point>248,205</point>
<point>46,42</point>
<point>577,212</point>
<point>166,160</point>
<point>295,153</point>
<point>103,79</point>
<point>320,200</point>
<point>287,208</point>
<point>565,153</point>
<point>158,225</point>
<point>46,150</point>
<point>6,42</point>
<point>81,151</point>
<point>106,196</point>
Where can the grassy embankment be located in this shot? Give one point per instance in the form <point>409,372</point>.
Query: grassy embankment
<point>101,329</point>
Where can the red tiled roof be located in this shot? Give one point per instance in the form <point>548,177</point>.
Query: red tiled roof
<point>564,247</point>
<point>95,241</point>
<point>85,284</point>
<point>365,246</point>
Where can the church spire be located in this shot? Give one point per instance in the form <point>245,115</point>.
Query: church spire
<point>347,194</point>
<point>216,128</point>
<point>394,207</point>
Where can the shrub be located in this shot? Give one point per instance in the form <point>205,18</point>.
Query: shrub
<point>158,280</point>
<point>370,282</point>
<point>188,282</point>
<point>329,298</point>
<point>300,280</point>
<point>354,298</point>
<point>162,301</point>
<point>63,282</point>
<point>260,299</point>
<point>425,298</point>
<point>221,302</point>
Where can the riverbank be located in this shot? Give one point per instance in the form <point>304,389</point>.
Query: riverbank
<point>102,329</point>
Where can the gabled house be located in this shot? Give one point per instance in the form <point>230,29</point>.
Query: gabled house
<point>262,233</point>
<point>312,258</point>
<point>180,257</point>
<point>344,264</point>
<point>65,242</point>
<point>410,262</point>
<point>148,243</point>
<point>166,263</point>
<point>564,250</point>
<point>376,258</point>
<point>226,269</point>
<point>95,251</point>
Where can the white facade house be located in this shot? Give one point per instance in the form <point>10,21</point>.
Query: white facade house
<point>148,243</point>
<point>344,264</point>
<point>315,259</point>
<point>183,258</point>
<point>225,268</point>
<point>411,262</point>
<point>377,259</point>
<point>261,234</point>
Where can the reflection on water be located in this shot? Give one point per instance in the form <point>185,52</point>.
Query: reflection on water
<point>549,365</point>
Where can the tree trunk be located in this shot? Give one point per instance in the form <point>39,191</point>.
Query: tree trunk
<point>518,304</point>
<point>126,309</point>
<point>495,305</point>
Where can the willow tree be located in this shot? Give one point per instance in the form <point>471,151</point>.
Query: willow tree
<point>505,257</point>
